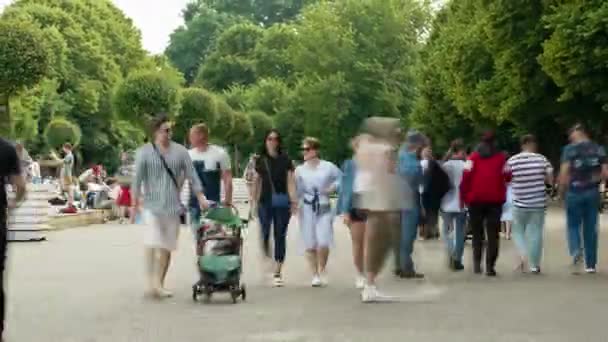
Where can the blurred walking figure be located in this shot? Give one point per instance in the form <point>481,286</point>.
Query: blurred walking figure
<point>530,173</point>
<point>452,208</point>
<point>160,169</point>
<point>583,166</point>
<point>383,195</point>
<point>10,173</point>
<point>66,177</point>
<point>354,218</point>
<point>484,190</point>
<point>125,174</point>
<point>316,180</point>
<point>274,198</point>
<point>410,170</point>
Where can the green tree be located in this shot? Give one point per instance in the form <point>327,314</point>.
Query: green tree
<point>240,137</point>
<point>263,12</point>
<point>225,121</point>
<point>92,47</point>
<point>191,43</point>
<point>574,56</point>
<point>261,123</point>
<point>60,131</point>
<point>24,61</point>
<point>272,59</point>
<point>197,106</point>
<point>231,62</point>
<point>267,95</point>
<point>145,94</point>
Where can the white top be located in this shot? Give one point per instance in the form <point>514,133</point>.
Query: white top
<point>207,160</point>
<point>320,178</point>
<point>212,157</point>
<point>450,203</point>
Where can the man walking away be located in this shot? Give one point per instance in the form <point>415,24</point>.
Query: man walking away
<point>160,168</point>
<point>212,166</point>
<point>484,190</point>
<point>452,208</point>
<point>530,173</point>
<point>10,173</point>
<point>410,170</point>
<point>584,165</point>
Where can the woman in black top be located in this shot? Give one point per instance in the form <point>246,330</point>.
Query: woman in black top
<point>274,192</point>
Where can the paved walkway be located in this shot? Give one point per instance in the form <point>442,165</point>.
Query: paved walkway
<point>85,285</point>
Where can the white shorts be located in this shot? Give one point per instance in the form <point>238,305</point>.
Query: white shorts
<point>161,231</point>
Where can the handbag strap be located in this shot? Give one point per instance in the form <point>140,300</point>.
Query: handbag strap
<point>269,176</point>
<point>164,162</point>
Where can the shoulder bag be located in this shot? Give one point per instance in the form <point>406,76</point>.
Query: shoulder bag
<point>277,200</point>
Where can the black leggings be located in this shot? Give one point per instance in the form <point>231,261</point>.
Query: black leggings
<point>485,215</point>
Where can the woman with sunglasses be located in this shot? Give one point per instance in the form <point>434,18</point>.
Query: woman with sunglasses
<point>316,179</point>
<point>275,198</point>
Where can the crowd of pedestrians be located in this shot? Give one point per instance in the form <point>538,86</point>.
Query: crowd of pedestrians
<point>391,192</point>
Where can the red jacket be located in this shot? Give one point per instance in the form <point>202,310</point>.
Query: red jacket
<point>485,179</point>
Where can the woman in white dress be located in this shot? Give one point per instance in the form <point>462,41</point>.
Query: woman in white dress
<point>316,179</point>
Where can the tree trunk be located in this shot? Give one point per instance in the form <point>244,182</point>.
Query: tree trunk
<point>5,117</point>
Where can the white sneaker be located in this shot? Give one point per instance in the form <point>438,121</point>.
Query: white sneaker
<point>316,281</point>
<point>164,293</point>
<point>360,282</point>
<point>590,270</point>
<point>324,279</point>
<point>369,294</point>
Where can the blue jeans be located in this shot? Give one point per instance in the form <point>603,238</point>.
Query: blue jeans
<point>582,210</point>
<point>409,231</point>
<point>278,219</point>
<point>453,234</point>
<point>528,228</point>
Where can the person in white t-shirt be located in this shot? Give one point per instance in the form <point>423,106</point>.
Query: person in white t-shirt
<point>452,208</point>
<point>213,168</point>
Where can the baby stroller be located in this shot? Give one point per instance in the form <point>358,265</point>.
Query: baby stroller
<point>219,254</point>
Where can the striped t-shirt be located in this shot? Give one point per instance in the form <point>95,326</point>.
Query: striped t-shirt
<point>529,171</point>
<point>159,191</point>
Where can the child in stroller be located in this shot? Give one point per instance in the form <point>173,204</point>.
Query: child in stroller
<point>219,254</point>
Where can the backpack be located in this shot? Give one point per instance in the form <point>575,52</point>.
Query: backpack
<point>438,184</point>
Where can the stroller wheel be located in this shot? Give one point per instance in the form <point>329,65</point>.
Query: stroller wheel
<point>208,295</point>
<point>235,295</point>
<point>243,292</point>
<point>195,293</point>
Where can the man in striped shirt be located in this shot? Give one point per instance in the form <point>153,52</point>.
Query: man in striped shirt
<point>160,170</point>
<point>530,172</point>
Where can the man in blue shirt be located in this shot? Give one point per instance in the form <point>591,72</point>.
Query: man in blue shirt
<point>410,170</point>
<point>584,166</point>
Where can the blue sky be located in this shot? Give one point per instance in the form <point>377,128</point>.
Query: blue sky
<point>155,18</point>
